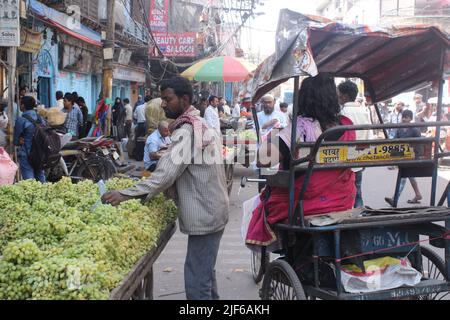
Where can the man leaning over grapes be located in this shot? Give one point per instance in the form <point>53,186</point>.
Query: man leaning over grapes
<point>201,192</point>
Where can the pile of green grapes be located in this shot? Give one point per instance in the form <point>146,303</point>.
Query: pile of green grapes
<point>58,242</point>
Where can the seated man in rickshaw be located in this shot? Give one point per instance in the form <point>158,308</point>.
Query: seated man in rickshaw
<point>328,191</point>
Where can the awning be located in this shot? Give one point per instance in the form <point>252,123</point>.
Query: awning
<point>389,60</point>
<point>65,23</point>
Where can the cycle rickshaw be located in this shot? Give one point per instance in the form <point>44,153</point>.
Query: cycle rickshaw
<point>313,252</point>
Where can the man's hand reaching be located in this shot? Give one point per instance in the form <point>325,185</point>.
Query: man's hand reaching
<point>114,198</point>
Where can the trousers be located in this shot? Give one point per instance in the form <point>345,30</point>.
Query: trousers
<point>199,269</point>
<point>27,171</point>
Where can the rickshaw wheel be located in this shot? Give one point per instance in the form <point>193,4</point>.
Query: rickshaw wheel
<point>281,283</point>
<point>433,268</point>
<point>259,262</point>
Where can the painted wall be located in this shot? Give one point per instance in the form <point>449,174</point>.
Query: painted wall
<point>46,66</point>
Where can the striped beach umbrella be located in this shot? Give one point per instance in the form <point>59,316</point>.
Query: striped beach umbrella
<point>227,69</point>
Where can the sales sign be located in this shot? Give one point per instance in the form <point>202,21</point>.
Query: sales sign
<point>9,23</point>
<point>177,44</point>
<point>159,15</point>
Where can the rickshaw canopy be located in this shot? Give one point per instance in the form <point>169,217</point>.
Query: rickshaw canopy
<point>389,60</point>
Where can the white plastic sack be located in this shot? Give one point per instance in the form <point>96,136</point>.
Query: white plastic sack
<point>248,208</point>
<point>8,168</point>
<point>381,274</point>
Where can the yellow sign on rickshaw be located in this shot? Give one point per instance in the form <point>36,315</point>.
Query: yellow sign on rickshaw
<point>373,153</point>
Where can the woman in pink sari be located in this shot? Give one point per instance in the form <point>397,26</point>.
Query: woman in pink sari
<point>328,191</point>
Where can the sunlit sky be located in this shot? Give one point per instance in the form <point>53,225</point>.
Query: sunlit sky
<point>262,35</point>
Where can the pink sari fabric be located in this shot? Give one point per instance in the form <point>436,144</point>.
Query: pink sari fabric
<point>327,192</point>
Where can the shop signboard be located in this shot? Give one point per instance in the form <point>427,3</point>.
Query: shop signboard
<point>9,23</point>
<point>129,74</point>
<point>177,44</point>
<point>159,15</point>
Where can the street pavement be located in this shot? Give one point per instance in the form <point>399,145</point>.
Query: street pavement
<point>234,276</point>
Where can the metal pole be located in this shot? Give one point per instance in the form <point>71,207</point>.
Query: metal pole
<point>12,64</point>
<point>108,51</point>
<point>293,147</point>
<point>438,132</point>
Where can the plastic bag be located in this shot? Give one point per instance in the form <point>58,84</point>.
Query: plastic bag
<point>8,168</point>
<point>248,208</point>
<point>381,274</point>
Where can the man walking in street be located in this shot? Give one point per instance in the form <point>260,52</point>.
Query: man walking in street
<point>407,117</point>
<point>128,117</point>
<point>74,116</point>
<point>396,118</point>
<point>269,118</point>
<point>212,114</point>
<point>203,202</point>
<point>360,115</point>
<point>23,138</point>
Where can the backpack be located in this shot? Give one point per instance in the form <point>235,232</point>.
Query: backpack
<point>45,147</point>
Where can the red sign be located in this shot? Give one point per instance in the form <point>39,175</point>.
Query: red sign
<point>177,44</point>
<point>159,15</point>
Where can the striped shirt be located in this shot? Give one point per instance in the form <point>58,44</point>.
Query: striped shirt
<point>202,196</point>
<point>74,120</point>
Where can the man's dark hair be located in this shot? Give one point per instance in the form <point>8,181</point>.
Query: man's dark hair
<point>407,114</point>
<point>318,100</point>
<point>126,101</point>
<point>59,95</point>
<point>28,102</point>
<point>284,105</point>
<point>349,88</point>
<point>147,98</point>
<point>211,99</point>
<point>69,97</point>
<point>180,86</point>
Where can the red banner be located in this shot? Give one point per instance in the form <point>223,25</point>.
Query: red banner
<point>177,44</point>
<point>159,15</point>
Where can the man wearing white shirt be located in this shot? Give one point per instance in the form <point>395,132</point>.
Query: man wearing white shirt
<point>212,114</point>
<point>395,117</point>
<point>269,118</point>
<point>60,100</point>
<point>359,115</point>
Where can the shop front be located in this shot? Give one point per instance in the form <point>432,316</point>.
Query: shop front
<point>129,82</point>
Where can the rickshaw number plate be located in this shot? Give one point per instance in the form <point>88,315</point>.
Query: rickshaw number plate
<point>371,153</point>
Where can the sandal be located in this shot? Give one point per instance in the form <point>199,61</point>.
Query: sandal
<point>390,201</point>
<point>414,201</point>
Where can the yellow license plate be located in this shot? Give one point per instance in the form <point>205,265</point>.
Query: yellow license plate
<point>374,153</point>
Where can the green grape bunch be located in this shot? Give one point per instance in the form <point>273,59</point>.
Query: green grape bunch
<point>57,244</point>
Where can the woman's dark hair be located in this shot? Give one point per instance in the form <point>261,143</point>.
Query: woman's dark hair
<point>28,102</point>
<point>318,100</point>
<point>180,86</point>
<point>126,101</point>
<point>81,101</point>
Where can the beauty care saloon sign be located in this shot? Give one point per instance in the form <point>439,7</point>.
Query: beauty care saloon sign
<point>177,44</point>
